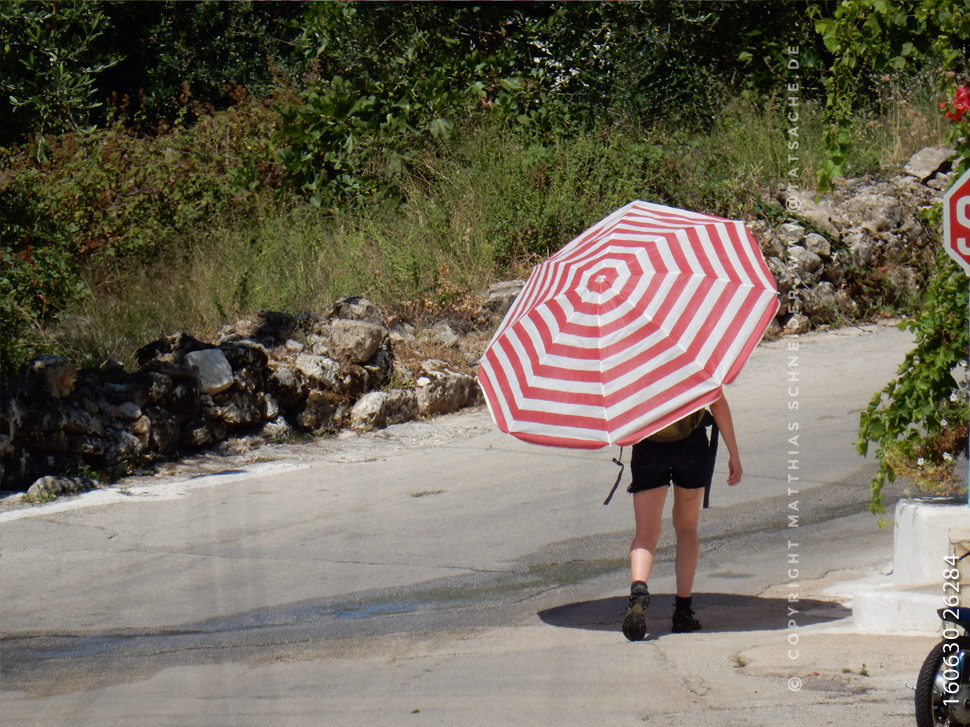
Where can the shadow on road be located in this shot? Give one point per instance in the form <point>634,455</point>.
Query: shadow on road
<point>718,612</point>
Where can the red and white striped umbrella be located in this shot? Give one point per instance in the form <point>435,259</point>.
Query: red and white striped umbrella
<point>634,324</point>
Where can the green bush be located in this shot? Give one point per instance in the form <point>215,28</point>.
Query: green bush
<point>183,60</point>
<point>38,276</point>
<point>363,116</point>
<point>124,197</point>
<point>919,419</point>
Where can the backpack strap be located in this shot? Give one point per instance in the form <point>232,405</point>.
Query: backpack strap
<point>618,477</point>
<point>712,458</point>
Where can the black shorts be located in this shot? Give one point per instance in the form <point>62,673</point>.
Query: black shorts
<point>686,463</point>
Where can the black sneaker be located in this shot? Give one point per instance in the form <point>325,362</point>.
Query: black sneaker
<point>634,625</point>
<point>684,621</point>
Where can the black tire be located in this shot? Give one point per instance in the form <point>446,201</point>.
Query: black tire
<point>926,714</point>
<point>929,714</point>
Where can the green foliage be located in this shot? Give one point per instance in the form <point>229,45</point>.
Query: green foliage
<point>673,61</point>
<point>49,63</point>
<point>182,60</point>
<point>38,276</point>
<point>364,114</point>
<point>560,69</point>
<point>121,198</point>
<point>871,38</point>
<point>443,144</point>
<point>922,414</point>
<point>920,419</point>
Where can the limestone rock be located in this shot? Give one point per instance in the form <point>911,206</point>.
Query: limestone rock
<point>442,390</point>
<point>500,296</point>
<point>236,408</point>
<point>148,386</point>
<point>128,410</point>
<point>942,182</point>
<point>245,355</point>
<point>927,162</point>
<point>863,247</point>
<point>873,212</point>
<point>440,334</point>
<point>287,384</point>
<point>806,265</point>
<point>820,304</point>
<point>782,273</point>
<point>822,214</point>
<point>49,487</point>
<point>320,371</point>
<point>790,234</point>
<point>142,428</point>
<point>52,376</point>
<point>212,368</point>
<point>817,244</point>
<point>378,409</point>
<point>164,431</point>
<point>170,349</point>
<point>201,431</point>
<point>775,330</point>
<point>358,308</point>
<point>798,323</point>
<point>269,406</point>
<point>317,413</point>
<point>122,446</point>
<point>354,341</point>
<point>834,273</point>
<point>402,333</point>
<point>277,429</point>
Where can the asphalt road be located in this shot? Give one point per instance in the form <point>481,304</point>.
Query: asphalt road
<point>441,571</point>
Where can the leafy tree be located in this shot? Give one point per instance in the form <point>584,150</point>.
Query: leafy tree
<point>674,62</point>
<point>386,79</point>
<point>183,59</point>
<point>919,419</point>
<point>49,64</point>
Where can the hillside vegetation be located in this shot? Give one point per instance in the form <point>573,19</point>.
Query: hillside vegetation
<point>171,185</point>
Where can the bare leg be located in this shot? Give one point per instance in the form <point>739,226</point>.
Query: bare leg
<point>647,512</point>
<point>686,513</point>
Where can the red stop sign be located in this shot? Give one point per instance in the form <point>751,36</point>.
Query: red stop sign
<point>956,221</point>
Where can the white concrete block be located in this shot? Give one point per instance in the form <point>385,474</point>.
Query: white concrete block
<point>887,610</point>
<point>922,539</point>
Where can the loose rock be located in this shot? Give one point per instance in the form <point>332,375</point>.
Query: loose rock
<point>212,368</point>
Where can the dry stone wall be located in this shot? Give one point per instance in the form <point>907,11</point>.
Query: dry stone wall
<point>268,378</point>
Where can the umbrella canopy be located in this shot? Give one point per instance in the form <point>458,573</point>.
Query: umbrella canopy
<point>634,324</point>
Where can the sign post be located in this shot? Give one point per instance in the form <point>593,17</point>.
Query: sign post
<point>956,232</point>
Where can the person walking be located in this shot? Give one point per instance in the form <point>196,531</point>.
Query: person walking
<point>677,455</point>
